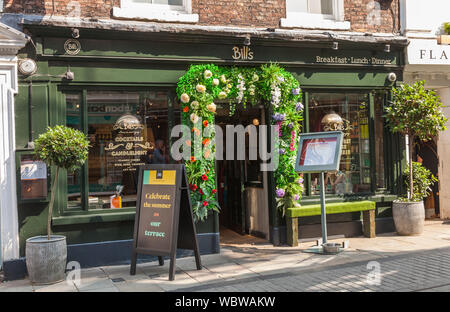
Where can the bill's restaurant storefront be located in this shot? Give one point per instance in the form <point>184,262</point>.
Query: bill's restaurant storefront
<point>93,79</point>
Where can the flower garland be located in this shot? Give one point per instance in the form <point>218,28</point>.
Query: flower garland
<point>270,84</point>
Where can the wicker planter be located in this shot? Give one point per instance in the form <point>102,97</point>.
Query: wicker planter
<point>46,259</point>
<point>409,217</point>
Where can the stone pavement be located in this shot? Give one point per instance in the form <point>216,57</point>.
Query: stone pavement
<point>386,263</point>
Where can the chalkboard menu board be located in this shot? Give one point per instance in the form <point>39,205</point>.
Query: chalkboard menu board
<point>164,220</point>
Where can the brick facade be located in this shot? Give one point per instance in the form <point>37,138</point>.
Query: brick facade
<point>246,13</point>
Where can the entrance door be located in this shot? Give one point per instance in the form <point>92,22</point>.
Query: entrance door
<point>240,182</point>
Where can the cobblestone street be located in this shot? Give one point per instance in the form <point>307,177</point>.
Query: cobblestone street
<point>413,263</point>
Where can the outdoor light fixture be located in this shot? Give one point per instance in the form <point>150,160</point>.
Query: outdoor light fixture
<point>335,45</point>
<point>387,48</point>
<point>247,40</point>
<point>75,33</point>
<point>392,77</point>
<point>256,122</point>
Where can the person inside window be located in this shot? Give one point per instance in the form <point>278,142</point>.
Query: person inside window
<point>159,153</point>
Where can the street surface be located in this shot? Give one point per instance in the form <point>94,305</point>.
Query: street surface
<point>386,263</point>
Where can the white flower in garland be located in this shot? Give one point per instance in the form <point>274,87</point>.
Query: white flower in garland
<point>207,74</point>
<point>222,95</point>
<point>194,118</point>
<point>200,88</point>
<point>211,107</point>
<point>194,105</point>
<point>215,82</point>
<point>241,88</point>
<point>184,98</point>
<point>223,79</point>
<point>276,95</point>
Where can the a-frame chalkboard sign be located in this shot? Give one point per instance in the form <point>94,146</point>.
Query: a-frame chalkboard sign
<point>164,219</point>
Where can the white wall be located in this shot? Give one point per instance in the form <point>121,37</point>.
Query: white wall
<point>443,146</point>
<point>424,18</point>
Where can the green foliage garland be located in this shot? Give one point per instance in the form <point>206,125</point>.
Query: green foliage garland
<point>268,84</point>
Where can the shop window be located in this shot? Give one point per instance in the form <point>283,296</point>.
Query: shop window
<point>123,128</point>
<point>348,113</point>
<point>163,10</point>
<point>323,14</point>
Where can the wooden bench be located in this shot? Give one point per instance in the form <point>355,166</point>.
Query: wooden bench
<point>367,207</point>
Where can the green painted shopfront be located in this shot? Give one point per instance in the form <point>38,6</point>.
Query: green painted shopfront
<point>105,76</point>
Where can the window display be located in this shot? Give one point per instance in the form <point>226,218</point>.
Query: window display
<point>348,113</point>
<point>126,130</point>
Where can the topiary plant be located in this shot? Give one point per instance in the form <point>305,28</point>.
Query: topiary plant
<point>65,148</point>
<point>447,28</point>
<point>415,112</point>
<point>423,180</point>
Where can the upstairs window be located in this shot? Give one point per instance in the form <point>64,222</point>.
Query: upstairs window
<point>316,14</point>
<point>158,10</point>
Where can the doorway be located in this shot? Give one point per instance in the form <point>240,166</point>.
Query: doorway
<point>241,193</point>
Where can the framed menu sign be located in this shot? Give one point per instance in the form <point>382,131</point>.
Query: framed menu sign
<point>319,152</point>
<point>164,219</point>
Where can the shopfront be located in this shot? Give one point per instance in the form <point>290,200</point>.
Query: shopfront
<point>119,88</point>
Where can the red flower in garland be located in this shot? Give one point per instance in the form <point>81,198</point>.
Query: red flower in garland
<point>204,177</point>
<point>200,191</point>
<point>214,191</point>
<point>186,109</point>
<point>193,187</point>
<point>205,203</point>
<point>205,123</point>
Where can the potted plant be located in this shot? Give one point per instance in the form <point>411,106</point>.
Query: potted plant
<point>415,112</point>
<point>445,39</point>
<point>64,148</point>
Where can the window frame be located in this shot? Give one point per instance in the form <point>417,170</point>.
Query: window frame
<point>80,214</point>
<point>334,21</point>
<point>160,12</point>
<point>307,196</point>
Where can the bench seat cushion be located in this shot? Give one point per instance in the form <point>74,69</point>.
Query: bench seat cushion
<point>314,210</point>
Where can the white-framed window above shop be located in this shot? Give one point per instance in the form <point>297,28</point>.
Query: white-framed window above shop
<point>159,10</point>
<point>315,14</point>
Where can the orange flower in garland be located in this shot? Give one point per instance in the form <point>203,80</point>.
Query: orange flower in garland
<point>205,123</point>
<point>205,142</point>
<point>196,131</point>
<point>186,109</point>
<point>188,142</point>
<point>193,158</point>
<point>207,153</point>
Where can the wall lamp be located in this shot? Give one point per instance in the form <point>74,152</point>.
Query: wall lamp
<point>75,33</point>
<point>387,48</point>
<point>247,40</point>
<point>335,45</point>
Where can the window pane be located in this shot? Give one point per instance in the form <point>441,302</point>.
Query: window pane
<point>320,7</point>
<point>349,113</point>
<point>297,6</point>
<point>73,117</point>
<point>166,2</point>
<point>169,2</point>
<point>123,128</point>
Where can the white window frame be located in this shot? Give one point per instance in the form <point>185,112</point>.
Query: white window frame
<point>317,21</point>
<point>158,12</point>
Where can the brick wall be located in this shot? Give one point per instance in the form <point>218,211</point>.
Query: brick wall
<point>364,18</point>
<point>248,13</point>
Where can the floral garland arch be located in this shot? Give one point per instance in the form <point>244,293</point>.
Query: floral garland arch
<point>269,84</point>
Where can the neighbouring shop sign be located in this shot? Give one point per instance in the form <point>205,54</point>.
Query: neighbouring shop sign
<point>428,52</point>
<point>164,219</point>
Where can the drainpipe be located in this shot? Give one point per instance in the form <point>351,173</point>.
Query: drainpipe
<point>30,115</point>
